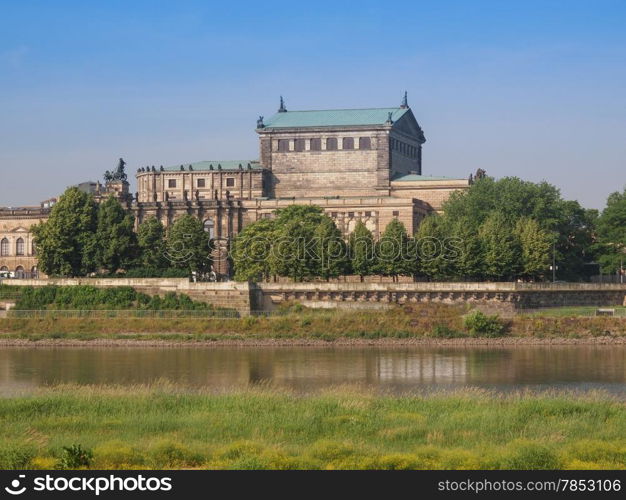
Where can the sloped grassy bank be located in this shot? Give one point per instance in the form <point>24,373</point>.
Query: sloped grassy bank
<point>98,427</point>
<point>422,322</point>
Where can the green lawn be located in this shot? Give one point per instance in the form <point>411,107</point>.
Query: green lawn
<point>165,427</point>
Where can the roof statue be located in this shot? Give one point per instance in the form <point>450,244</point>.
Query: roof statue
<point>118,174</point>
<point>405,101</point>
<point>282,108</point>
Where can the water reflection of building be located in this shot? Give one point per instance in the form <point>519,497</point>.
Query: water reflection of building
<point>423,368</point>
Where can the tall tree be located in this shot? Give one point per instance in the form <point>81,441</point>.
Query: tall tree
<point>293,251</point>
<point>395,254</point>
<point>514,198</point>
<point>430,239</point>
<point>65,242</point>
<point>362,250</point>
<point>501,248</point>
<point>611,243</point>
<point>535,248</point>
<point>330,250</point>
<point>188,245</point>
<point>251,251</point>
<point>151,243</point>
<point>116,241</point>
<point>466,258</point>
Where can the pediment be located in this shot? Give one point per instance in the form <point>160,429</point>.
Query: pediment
<point>407,124</point>
<point>19,229</point>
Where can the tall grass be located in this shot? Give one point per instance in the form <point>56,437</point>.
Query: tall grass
<point>165,427</point>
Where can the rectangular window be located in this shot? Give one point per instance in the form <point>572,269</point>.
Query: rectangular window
<point>201,183</point>
<point>283,145</point>
<point>396,213</point>
<point>333,215</point>
<point>368,214</point>
<point>350,214</point>
<point>230,182</point>
<point>365,143</point>
<point>347,143</point>
<point>299,145</point>
<point>316,144</point>
<point>331,144</point>
<point>171,183</point>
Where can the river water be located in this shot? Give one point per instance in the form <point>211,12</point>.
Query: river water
<point>307,369</point>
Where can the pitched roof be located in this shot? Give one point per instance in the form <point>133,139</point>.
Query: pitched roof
<point>334,117</point>
<point>217,165</point>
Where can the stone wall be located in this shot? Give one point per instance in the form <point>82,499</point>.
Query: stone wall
<point>503,298</point>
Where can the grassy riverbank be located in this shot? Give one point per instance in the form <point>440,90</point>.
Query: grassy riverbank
<point>168,428</point>
<point>431,321</point>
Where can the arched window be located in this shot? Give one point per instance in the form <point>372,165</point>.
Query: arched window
<point>4,247</point>
<point>4,268</point>
<point>19,247</point>
<point>34,273</point>
<point>347,143</point>
<point>209,227</point>
<point>331,144</point>
<point>19,272</point>
<point>365,143</point>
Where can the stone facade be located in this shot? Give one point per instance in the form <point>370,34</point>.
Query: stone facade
<point>17,249</point>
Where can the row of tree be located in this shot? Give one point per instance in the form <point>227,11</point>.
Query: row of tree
<point>302,242</point>
<point>496,230</point>
<point>82,237</point>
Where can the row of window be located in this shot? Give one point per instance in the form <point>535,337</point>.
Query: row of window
<point>404,148</point>
<point>20,272</point>
<point>19,247</point>
<point>230,182</point>
<point>315,144</point>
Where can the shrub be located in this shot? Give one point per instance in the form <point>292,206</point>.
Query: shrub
<point>75,457</point>
<point>479,324</point>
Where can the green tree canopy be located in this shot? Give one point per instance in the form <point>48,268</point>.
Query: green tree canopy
<point>513,199</point>
<point>116,240</point>
<point>501,251</point>
<point>362,250</point>
<point>188,245</point>
<point>251,250</point>
<point>611,243</point>
<point>151,242</point>
<point>395,253</point>
<point>330,250</point>
<point>535,248</point>
<point>66,245</point>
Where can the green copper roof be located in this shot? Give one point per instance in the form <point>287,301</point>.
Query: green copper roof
<point>415,177</point>
<point>334,117</point>
<point>217,165</point>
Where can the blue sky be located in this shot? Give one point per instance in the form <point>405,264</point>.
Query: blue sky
<point>535,89</point>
